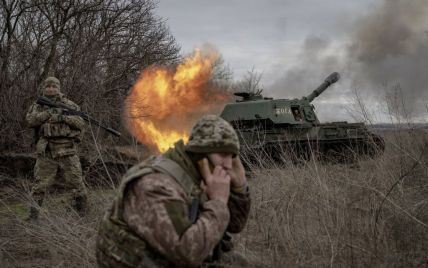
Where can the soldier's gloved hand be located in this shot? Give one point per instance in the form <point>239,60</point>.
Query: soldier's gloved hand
<point>55,110</point>
<point>237,174</point>
<point>216,184</point>
<point>43,116</point>
<point>56,118</point>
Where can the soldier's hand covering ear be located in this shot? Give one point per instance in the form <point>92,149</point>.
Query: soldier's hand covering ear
<point>237,174</point>
<point>216,184</point>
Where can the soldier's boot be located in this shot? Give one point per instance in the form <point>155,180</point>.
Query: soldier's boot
<point>34,210</point>
<point>79,203</point>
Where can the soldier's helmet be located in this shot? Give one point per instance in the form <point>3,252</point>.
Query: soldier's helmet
<point>212,134</point>
<point>51,81</point>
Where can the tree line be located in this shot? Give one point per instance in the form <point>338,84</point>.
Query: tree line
<point>95,47</point>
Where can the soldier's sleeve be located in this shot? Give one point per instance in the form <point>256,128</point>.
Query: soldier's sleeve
<point>155,208</point>
<point>239,206</point>
<point>35,117</point>
<point>74,121</point>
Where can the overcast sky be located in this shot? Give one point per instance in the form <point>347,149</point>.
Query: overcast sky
<point>277,38</point>
<point>253,33</point>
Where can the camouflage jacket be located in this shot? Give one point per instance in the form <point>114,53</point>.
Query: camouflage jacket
<point>156,210</point>
<point>59,135</point>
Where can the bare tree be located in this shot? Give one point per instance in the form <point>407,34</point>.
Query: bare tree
<point>398,110</point>
<point>222,74</point>
<point>359,110</point>
<point>250,83</point>
<point>95,47</point>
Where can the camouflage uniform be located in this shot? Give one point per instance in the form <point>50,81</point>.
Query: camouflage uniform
<point>56,147</point>
<point>162,218</point>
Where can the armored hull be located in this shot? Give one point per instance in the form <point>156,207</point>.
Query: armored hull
<point>290,128</point>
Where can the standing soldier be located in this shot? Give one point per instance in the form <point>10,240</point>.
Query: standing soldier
<point>175,210</point>
<point>57,138</point>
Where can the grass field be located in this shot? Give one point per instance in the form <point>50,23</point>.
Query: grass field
<point>372,213</point>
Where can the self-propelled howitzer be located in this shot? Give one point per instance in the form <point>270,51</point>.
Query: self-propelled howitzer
<point>274,126</point>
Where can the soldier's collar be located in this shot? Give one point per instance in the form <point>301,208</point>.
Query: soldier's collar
<point>179,155</point>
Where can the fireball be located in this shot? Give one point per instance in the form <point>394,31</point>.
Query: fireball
<point>165,102</point>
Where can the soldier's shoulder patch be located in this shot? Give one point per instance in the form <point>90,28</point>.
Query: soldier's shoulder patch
<point>178,215</point>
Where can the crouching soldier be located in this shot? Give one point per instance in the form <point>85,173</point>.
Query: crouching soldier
<point>176,210</point>
<point>57,138</point>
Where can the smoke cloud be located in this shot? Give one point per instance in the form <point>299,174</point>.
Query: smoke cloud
<point>386,50</point>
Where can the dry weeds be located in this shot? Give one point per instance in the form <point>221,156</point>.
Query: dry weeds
<point>373,213</point>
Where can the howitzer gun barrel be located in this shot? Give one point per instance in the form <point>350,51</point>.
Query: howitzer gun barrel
<point>331,79</point>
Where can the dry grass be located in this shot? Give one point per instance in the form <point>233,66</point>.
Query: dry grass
<point>373,213</point>
<point>60,238</point>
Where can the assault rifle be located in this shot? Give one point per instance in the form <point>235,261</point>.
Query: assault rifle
<point>69,111</point>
